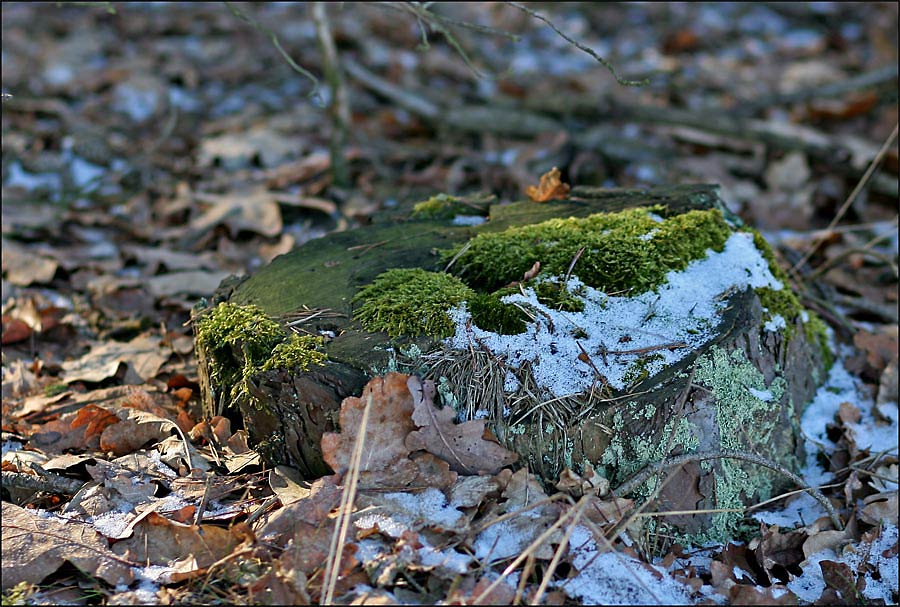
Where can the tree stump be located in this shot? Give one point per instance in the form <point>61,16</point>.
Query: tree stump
<point>603,353</point>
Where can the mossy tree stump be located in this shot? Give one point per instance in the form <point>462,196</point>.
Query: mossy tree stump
<point>553,353</point>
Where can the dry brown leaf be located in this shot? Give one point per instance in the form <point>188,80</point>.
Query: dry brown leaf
<point>841,578</point>
<point>24,266</point>
<point>146,354</point>
<point>58,435</point>
<point>95,419</point>
<point>280,587</point>
<point>251,210</point>
<point>390,421</point>
<point>461,445</point>
<point>135,429</point>
<point>36,546</point>
<point>187,549</point>
<point>742,594</point>
<point>286,483</point>
<point>776,549</point>
<point>470,491</point>
<point>195,282</point>
<point>312,511</point>
<point>14,330</point>
<point>549,188</point>
<point>604,512</point>
<point>880,508</point>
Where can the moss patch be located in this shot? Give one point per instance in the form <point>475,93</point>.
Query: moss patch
<point>241,341</point>
<point>443,206</point>
<point>491,314</point>
<point>631,250</point>
<point>410,301</point>
<point>786,304</point>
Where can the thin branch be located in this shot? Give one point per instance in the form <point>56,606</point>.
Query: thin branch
<point>853,195</point>
<point>277,43</point>
<point>50,483</point>
<point>581,47</point>
<point>650,470</point>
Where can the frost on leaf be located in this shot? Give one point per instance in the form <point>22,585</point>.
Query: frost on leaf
<point>463,446</point>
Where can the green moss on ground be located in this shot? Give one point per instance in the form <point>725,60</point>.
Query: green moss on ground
<point>410,301</point>
<point>629,251</point>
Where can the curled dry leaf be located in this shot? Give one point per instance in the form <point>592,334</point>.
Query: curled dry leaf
<point>35,547</point>
<point>549,188</point>
<point>463,446</point>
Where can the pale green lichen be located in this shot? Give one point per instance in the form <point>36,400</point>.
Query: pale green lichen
<point>743,418</point>
<point>410,301</point>
<point>241,341</point>
<point>622,459</point>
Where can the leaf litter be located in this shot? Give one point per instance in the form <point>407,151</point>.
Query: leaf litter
<point>137,191</point>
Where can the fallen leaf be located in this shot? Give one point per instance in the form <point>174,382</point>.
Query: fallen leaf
<point>778,552</point>
<point>145,354</point>
<point>742,594</point>
<point>311,512</point>
<point>24,267</point>
<point>14,330</point>
<point>187,549</point>
<point>95,420</point>
<point>549,188</point>
<point>36,546</point>
<point>135,429</point>
<point>470,491</point>
<point>839,577</point>
<point>286,483</point>
<point>198,282</point>
<point>461,445</point>
<point>253,210</point>
<point>390,421</point>
<point>880,508</point>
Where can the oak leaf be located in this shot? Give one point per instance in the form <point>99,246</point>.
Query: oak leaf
<point>36,546</point>
<point>390,420</point>
<point>463,446</point>
<point>549,188</point>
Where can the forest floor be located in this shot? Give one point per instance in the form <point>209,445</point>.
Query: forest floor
<point>151,150</point>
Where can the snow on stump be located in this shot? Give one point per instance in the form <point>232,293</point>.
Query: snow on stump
<point>615,328</point>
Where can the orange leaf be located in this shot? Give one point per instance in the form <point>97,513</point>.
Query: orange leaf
<point>549,188</point>
<point>96,419</point>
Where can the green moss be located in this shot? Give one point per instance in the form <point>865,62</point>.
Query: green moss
<point>555,295</point>
<point>625,251</point>
<point>54,389</point>
<point>442,206</point>
<point>410,301</point>
<point>786,304</point>
<point>491,314</point>
<point>240,341</point>
<point>299,351</point>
